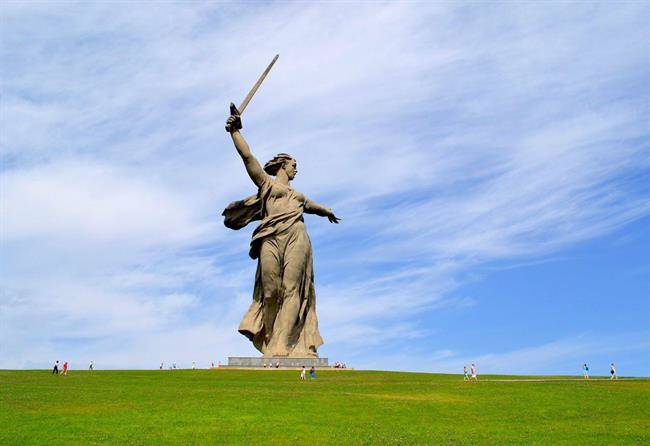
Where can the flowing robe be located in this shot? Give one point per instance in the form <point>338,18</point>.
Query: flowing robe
<point>281,321</point>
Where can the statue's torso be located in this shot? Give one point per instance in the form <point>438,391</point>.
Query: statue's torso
<point>282,199</point>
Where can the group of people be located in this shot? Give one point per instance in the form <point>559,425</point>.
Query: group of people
<point>612,371</point>
<point>270,365</point>
<point>64,371</point>
<point>470,375</point>
<point>56,371</point>
<point>171,367</point>
<point>466,373</point>
<point>303,373</point>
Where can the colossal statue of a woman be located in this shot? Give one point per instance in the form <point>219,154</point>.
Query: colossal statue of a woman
<point>281,321</point>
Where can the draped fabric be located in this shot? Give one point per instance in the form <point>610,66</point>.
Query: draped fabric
<point>281,321</point>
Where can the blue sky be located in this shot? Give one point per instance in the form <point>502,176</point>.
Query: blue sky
<point>491,164</point>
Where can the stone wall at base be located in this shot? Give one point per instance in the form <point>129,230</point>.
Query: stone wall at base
<point>242,361</point>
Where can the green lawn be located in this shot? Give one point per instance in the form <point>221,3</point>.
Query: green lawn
<point>236,407</point>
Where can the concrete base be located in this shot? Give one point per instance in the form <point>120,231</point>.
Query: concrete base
<point>238,361</point>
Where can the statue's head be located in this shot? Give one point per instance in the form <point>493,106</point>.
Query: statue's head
<point>282,161</point>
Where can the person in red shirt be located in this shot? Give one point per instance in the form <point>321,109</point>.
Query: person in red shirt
<point>65,368</point>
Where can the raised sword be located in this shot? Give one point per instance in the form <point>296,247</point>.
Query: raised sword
<point>238,111</point>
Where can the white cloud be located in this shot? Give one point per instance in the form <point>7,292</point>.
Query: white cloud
<point>93,202</point>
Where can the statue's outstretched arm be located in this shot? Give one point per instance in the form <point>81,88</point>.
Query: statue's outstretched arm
<point>253,166</point>
<point>311,207</point>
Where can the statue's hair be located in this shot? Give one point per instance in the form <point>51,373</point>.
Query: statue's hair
<point>271,167</point>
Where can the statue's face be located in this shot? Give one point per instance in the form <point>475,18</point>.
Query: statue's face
<point>291,168</point>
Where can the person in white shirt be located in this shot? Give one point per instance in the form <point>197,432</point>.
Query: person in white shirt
<point>612,371</point>
<point>473,370</point>
<point>303,373</point>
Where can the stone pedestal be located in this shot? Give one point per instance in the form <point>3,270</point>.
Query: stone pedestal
<point>239,361</point>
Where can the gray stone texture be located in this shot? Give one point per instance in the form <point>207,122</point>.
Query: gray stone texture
<point>237,361</point>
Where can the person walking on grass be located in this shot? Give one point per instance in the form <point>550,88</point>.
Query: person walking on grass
<point>473,370</point>
<point>465,373</point>
<point>585,371</point>
<point>55,370</point>
<point>612,371</point>
<point>303,372</point>
<point>65,368</point>
<point>312,373</point>
<point>91,366</point>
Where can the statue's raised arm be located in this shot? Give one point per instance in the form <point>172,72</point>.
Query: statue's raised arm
<point>253,167</point>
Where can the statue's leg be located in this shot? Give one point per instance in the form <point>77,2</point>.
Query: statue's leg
<point>296,255</point>
<point>271,287</point>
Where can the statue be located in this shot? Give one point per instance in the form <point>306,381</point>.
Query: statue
<point>281,321</point>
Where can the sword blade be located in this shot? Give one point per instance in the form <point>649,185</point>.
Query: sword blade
<point>250,94</point>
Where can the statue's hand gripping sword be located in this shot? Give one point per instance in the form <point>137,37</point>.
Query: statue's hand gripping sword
<point>236,125</point>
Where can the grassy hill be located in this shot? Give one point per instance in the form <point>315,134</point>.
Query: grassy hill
<point>272,407</point>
